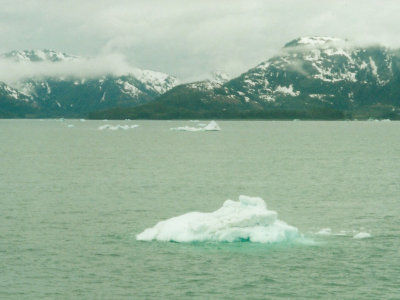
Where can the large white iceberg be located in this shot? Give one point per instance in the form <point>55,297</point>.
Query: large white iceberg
<point>212,126</point>
<point>245,220</point>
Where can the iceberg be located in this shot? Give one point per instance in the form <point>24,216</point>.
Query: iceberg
<point>325,231</point>
<point>116,127</point>
<point>362,235</point>
<point>346,233</point>
<point>187,128</point>
<point>212,126</point>
<point>245,220</point>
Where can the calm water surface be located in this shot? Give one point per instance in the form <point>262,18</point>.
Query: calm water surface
<point>73,199</point>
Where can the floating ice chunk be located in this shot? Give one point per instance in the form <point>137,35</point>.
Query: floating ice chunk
<point>82,120</point>
<point>116,127</point>
<point>70,125</point>
<point>245,220</point>
<point>362,235</point>
<point>212,126</point>
<point>342,233</point>
<point>187,128</point>
<point>102,127</point>
<point>325,231</point>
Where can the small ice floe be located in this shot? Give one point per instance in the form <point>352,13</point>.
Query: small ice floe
<point>116,127</point>
<point>212,126</point>
<point>325,231</point>
<point>362,235</point>
<point>195,121</point>
<point>82,120</point>
<point>342,233</point>
<point>246,220</point>
<point>70,125</point>
<point>187,128</point>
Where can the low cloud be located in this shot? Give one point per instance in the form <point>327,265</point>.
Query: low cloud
<point>111,64</point>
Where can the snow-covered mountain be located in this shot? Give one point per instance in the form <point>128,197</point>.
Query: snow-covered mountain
<point>319,71</point>
<point>14,103</point>
<point>75,95</point>
<point>311,76</point>
<point>38,56</point>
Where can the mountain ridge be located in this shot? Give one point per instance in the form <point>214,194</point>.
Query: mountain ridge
<point>310,74</point>
<point>75,95</point>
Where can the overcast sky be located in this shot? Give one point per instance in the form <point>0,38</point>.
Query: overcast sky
<point>187,38</point>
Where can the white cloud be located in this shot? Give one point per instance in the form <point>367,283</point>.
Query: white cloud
<point>191,38</point>
<point>11,71</point>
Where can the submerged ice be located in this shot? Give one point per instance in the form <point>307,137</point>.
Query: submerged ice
<point>212,126</point>
<point>245,220</point>
<point>354,233</point>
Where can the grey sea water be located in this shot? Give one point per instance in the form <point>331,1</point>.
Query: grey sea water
<point>73,198</point>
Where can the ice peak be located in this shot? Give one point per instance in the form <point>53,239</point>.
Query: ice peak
<point>219,77</point>
<point>38,56</point>
<point>315,41</point>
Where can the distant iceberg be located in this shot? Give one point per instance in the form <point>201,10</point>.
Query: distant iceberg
<point>362,235</point>
<point>245,220</point>
<point>212,126</point>
<point>353,233</point>
<point>187,128</point>
<point>116,127</point>
<point>325,231</point>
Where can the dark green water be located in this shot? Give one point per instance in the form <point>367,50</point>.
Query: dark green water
<point>73,199</point>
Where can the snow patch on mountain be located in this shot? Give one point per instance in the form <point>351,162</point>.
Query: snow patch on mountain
<point>38,56</point>
<point>314,41</point>
<point>10,92</point>
<point>156,81</point>
<point>287,90</point>
<point>216,80</point>
<point>128,88</point>
<point>317,40</point>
